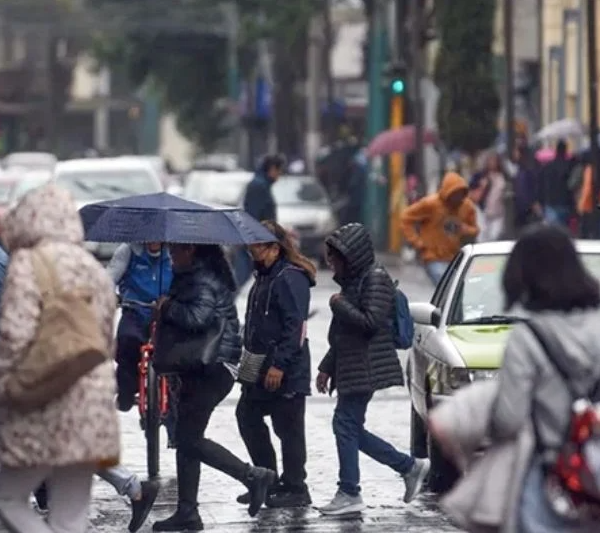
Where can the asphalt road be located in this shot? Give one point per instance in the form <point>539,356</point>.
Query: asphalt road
<point>382,488</point>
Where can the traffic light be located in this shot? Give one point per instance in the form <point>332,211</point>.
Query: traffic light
<point>398,86</point>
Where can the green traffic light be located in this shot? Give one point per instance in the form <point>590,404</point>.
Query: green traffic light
<point>398,86</point>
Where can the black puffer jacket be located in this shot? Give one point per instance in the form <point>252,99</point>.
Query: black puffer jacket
<point>201,295</point>
<point>362,357</point>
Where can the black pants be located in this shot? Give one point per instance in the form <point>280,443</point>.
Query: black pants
<point>131,335</point>
<point>198,397</point>
<point>287,415</point>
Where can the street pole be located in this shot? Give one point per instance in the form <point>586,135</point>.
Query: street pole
<point>397,181</point>
<point>417,75</point>
<point>313,92</point>
<point>593,97</point>
<point>376,205</point>
<point>541,60</point>
<point>509,196</point>
<point>50,104</point>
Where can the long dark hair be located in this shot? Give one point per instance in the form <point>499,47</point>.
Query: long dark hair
<point>545,273</point>
<point>289,250</point>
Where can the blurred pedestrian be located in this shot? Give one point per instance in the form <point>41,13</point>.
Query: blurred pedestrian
<point>438,225</point>
<point>477,191</point>
<point>276,322</point>
<point>200,299</point>
<point>527,207</point>
<point>361,360</point>
<point>493,202</point>
<point>66,440</point>
<point>554,194</point>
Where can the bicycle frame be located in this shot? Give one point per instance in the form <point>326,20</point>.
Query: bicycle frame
<point>147,350</point>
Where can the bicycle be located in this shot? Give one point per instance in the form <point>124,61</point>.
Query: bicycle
<point>153,394</point>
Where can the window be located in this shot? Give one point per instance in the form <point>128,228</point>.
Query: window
<point>292,190</point>
<point>441,292</point>
<point>107,184</point>
<point>217,188</point>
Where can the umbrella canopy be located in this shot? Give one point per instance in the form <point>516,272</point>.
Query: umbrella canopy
<point>165,218</point>
<point>561,129</point>
<point>398,140</point>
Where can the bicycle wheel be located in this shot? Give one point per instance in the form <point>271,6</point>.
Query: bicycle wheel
<point>152,423</point>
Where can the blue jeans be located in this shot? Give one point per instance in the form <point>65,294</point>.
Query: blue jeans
<point>435,270</point>
<point>556,215</point>
<point>352,437</point>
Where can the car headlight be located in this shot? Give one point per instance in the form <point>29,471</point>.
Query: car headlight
<point>459,377</point>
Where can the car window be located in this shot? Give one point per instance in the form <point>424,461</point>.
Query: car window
<point>440,294</point>
<point>298,190</point>
<point>216,188</point>
<point>479,297</point>
<point>107,184</point>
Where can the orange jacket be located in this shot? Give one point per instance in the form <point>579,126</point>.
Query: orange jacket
<point>585,203</point>
<point>424,223</point>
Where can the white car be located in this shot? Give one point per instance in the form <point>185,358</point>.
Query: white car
<point>460,337</point>
<point>95,180</point>
<point>30,160</point>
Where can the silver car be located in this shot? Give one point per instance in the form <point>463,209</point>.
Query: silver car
<point>460,337</point>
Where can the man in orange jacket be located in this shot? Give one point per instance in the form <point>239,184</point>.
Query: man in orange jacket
<point>439,224</point>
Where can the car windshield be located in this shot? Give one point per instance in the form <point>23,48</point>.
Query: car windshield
<point>479,299</point>
<point>217,188</point>
<point>299,190</point>
<point>107,184</point>
<point>23,186</point>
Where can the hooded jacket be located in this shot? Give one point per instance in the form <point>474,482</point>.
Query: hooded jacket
<point>362,357</point>
<point>80,427</point>
<point>434,229</point>
<point>198,296</point>
<point>276,321</point>
<point>259,202</point>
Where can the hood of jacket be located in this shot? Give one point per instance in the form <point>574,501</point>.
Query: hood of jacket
<point>354,243</point>
<point>216,264</point>
<point>44,214</point>
<point>576,336</point>
<point>451,183</point>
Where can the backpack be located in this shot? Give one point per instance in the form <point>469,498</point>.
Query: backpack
<point>573,475</point>
<point>403,324</point>
<point>68,343</point>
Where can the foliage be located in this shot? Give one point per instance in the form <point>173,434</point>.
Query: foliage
<point>172,44</point>
<point>469,103</point>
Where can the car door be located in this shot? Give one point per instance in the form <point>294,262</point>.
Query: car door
<point>424,359</point>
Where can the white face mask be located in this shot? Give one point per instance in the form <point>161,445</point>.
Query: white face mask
<point>153,254</point>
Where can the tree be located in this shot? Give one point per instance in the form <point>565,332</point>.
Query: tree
<point>468,107</point>
<point>186,57</point>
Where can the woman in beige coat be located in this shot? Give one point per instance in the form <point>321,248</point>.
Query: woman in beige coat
<point>68,440</point>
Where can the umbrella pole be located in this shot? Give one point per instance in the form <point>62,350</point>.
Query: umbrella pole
<point>160,270</point>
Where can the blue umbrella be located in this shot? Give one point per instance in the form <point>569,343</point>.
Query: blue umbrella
<point>165,218</point>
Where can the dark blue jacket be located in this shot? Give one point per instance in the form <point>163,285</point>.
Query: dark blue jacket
<point>258,200</point>
<point>200,295</point>
<point>276,318</point>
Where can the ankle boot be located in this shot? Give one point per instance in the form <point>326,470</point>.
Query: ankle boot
<point>258,480</point>
<point>188,479</point>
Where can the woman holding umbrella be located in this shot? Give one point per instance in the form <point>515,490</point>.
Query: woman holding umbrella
<point>202,296</point>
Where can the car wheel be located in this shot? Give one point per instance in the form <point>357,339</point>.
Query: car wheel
<point>443,474</point>
<point>418,435</point>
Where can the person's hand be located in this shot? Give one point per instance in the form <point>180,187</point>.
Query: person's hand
<point>322,382</point>
<point>465,228</point>
<point>273,379</point>
<point>537,209</point>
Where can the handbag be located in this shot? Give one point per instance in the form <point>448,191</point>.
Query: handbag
<point>68,343</point>
<point>178,351</point>
<point>250,367</point>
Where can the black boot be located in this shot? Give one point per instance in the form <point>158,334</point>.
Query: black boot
<point>289,497</point>
<point>258,480</point>
<point>244,499</point>
<point>186,518</point>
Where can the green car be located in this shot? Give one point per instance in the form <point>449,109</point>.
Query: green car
<point>460,338</point>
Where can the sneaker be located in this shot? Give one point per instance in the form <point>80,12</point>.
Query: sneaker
<point>343,503</point>
<point>415,478</point>
<point>140,509</point>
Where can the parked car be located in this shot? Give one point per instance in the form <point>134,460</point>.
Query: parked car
<point>94,180</point>
<point>213,187</point>
<point>304,207</point>
<point>460,338</point>
<point>30,180</point>
<point>30,160</point>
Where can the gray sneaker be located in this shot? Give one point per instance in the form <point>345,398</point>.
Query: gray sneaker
<point>343,503</point>
<point>415,478</point>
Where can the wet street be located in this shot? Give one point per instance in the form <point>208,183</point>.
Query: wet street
<point>382,489</point>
